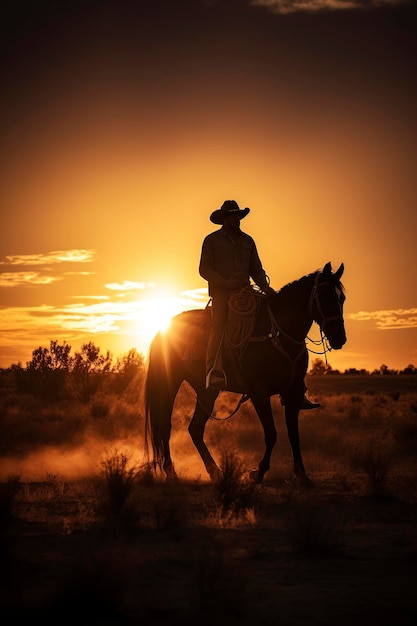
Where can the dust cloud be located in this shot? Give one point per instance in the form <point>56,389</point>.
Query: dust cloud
<point>85,461</point>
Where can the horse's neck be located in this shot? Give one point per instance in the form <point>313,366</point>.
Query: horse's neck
<point>291,307</point>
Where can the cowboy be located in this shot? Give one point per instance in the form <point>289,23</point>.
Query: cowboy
<point>229,258</point>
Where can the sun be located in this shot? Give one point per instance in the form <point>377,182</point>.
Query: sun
<point>155,315</point>
<point>152,312</point>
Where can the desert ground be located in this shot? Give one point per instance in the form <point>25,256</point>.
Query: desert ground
<point>120,545</point>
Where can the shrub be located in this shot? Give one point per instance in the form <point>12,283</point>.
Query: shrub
<point>8,493</point>
<point>311,528</point>
<point>405,433</point>
<point>234,494</point>
<point>119,511</point>
<point>375,459</point>
<point>100,407</point>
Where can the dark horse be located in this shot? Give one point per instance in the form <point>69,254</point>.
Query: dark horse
<point>273,361</point>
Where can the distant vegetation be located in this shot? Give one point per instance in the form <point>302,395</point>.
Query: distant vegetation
<point>320,368</point>
<point>60,400</point>
<point>93,384</point>
<point>54,374</point>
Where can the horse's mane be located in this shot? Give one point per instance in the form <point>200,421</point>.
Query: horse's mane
<point>289,286</point>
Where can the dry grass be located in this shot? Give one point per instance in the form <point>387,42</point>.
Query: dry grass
<point>313,529</point>
<point>235,494</point>
<point>110,542</point>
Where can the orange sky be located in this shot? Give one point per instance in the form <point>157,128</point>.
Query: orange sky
<point>125,125</point>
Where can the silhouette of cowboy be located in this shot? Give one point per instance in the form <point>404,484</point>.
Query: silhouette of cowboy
<point>229,259</point>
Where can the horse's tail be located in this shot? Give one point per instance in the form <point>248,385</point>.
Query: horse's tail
<point>157,401</point>
<point>169,359</point>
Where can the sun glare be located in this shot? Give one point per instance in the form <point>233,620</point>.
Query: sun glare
<point>155,316</point>
<point>157,313</point>
<point>137,320</point>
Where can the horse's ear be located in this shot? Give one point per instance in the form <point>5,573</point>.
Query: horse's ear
<point>327,269</point>
<point>339,272</point>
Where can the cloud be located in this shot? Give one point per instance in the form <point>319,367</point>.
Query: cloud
<point>58,256</point>
<point>67,320</point>
<point>24,278</point>
<point>388,320</point>
<point>314,6</point>
<point>90,297</point>
<point>128,285</point>
<point>17,279</point>
<point>79,273</point>
<point>196,294</point>
<point>103,316</point>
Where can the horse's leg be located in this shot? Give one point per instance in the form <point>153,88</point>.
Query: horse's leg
<point>262,405</point>
<point>291,420</point>
<point>168,465</point>
<point>196,428</point>
<point>164,410</point>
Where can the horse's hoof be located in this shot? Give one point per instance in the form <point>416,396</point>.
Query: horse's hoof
<point>255,476</point>
<point>305,483</point>
<point>215,475</point>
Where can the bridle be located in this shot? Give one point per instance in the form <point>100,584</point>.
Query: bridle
<point>321,319</point>
<point>315,299</point>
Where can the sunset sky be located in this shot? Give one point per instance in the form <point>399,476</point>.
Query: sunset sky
<point>125,124</point>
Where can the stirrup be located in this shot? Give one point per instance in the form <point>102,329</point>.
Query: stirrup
<point>217,379</point>
<point>307,404</point>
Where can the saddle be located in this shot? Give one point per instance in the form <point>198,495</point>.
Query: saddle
<point>241,319</point>
<point>243,306</point>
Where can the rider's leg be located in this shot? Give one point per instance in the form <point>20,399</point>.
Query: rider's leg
<point>214,373</point>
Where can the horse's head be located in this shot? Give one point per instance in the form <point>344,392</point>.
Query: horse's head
<point>326,304</point>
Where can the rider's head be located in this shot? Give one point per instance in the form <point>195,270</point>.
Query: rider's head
<point>228,208</point>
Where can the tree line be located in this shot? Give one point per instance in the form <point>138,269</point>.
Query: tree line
<point>321,368</point>
<point>54,373</point>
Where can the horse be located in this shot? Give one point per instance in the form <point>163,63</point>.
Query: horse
<point>274,360</point>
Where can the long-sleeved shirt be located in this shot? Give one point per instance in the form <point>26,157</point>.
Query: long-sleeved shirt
<point>223,258</point>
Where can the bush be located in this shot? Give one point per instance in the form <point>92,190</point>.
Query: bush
<point>234,494</point>
<point>375,459</point>
<point>119,511</point>
<point>311,529</point>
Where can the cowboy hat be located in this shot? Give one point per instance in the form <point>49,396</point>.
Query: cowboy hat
<point>228,207</point>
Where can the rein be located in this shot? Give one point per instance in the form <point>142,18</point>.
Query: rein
<point>322,341</point>
<point>276,331</point>
<point>244,398</point>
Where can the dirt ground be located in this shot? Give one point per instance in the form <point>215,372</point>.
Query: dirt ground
<point>319,558</point>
